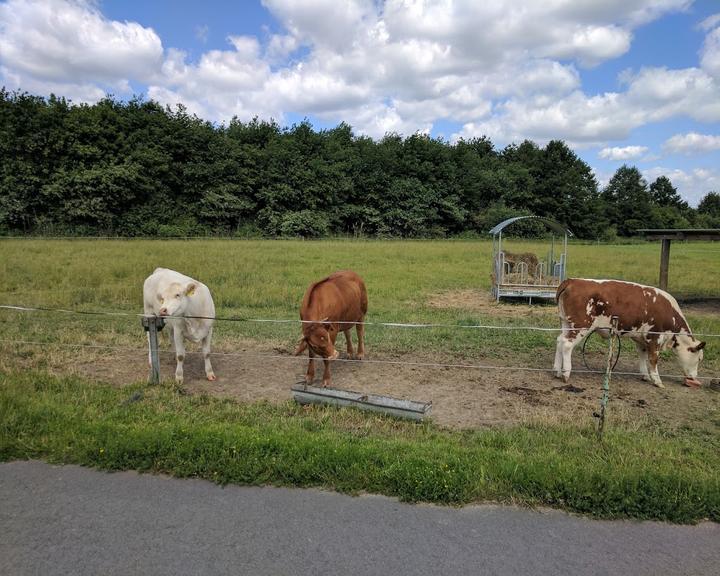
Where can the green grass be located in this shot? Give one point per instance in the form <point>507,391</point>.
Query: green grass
<point>639,475</point>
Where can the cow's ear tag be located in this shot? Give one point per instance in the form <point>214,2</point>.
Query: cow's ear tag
<point>190,290</point>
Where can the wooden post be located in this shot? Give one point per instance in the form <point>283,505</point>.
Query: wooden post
<point>664,263</point>
<point>152,325</point>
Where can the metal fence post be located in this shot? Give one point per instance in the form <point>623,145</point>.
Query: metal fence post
<point>152,325</point>
<point>606,378</point>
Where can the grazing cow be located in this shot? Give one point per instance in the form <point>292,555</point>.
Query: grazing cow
<point>173,295</point>
<point>330,306</point>
<point>649,316</point>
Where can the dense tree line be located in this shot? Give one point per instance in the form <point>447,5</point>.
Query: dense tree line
<point>136,168</point>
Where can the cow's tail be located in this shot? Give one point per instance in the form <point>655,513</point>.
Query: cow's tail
<point>560,289</point>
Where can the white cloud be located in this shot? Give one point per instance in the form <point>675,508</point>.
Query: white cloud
<point>505,68</point>
<point>63,43</point>
<point>652,95</point>
<point>324,23</point>
<point>710,53</point>
<point>280,47</point>
<point>692,185</point>
<point>223,83</point>
<point>710,22</point>
<point>623,153</point>
<point>692,143</point>
<point>201,33</point>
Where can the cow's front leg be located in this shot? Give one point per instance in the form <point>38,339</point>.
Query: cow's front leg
<point>348,341</point>
<point>179,355</point>
<point>326,374</point>
<point>206,355</point>
<point>643,362</point>
<point>652,353</point>
<point>360,328</point>
<point>310,374</point>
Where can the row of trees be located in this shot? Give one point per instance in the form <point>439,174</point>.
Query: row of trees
<point>135,168</point>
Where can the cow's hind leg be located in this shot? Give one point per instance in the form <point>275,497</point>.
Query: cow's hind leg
<point>348,341</point>
<point>360,328</point>
<point>568,343</point>
<point>557,366</point>
<point>206,355</point>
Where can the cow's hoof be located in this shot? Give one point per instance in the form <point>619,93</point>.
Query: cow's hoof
<point>359,356</point>
<point>178,381</point>
<point>212,377</point>
<point>658,384</point>
<point>558,375</point>
<point>566,378</point>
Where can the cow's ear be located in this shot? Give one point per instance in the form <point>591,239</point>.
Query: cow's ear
<point>190,289</point>
<point>301,347</point>
<point>698,347</point>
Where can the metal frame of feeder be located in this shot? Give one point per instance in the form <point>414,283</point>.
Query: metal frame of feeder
<point>548,276</point>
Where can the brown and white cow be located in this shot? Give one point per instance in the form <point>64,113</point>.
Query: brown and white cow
<point>332,305</point>
<point>649,316</point>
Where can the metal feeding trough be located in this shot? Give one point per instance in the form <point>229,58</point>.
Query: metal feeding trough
<point>385,404</point>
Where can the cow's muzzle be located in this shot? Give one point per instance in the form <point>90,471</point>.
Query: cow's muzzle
<point>692,382</point>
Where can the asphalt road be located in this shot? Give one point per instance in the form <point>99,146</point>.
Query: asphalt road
<point>58,520</point>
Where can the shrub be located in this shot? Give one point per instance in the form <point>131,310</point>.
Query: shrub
<point>305,223</point>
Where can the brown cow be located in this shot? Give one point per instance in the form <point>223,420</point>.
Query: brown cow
<point>649,316</point>
<point>332,305</point>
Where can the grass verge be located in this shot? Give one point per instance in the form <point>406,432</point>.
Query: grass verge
<point>642,474</point>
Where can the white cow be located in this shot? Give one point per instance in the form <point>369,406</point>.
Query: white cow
<point>180,298</point>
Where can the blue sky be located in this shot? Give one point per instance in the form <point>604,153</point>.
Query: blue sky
<point>622,81</point>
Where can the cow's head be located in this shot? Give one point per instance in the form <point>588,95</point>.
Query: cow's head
<point>690,354</point>
<point>320,338</point>
<point>173,298</point>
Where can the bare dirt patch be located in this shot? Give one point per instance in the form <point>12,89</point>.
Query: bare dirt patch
<point>462,397</point>
<point>482,302</point>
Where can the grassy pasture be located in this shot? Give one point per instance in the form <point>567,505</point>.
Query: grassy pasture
<point>642,469</point>
<point>266,279</point>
